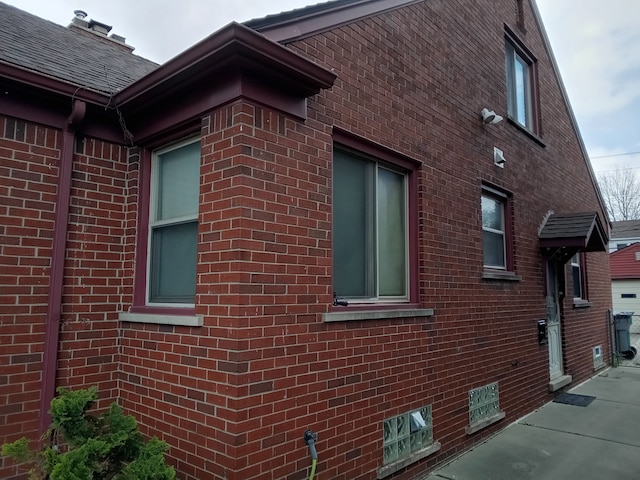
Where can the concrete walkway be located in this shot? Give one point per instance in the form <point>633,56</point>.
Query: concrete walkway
<point>560,442</point>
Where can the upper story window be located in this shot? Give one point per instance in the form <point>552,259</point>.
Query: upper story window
<point>496,237</point>
<point>173,224</point>
<point>521,87</point>
<point>370,229</point>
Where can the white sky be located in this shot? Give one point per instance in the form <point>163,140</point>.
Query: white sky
<point>596,44</point>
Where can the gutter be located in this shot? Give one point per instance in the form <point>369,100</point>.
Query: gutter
<point>56,272</point>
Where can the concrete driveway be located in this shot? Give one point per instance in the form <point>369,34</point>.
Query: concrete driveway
<point>560,442</point>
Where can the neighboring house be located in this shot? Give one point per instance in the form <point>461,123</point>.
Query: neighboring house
<point>625,282</point>
<point>623,234</point>
<point>176,234</point>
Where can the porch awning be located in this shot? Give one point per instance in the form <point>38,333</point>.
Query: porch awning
<point>570,233</point>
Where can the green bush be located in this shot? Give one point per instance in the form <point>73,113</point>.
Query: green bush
<point>104,447</point>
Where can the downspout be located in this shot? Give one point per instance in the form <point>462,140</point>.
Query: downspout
<point>56,272</point>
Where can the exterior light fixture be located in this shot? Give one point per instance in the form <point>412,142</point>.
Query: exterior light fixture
<point>489,116</point>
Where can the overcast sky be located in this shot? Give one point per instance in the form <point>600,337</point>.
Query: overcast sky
<point>596,44</point>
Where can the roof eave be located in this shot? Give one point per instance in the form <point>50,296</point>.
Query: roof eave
<point>232,47</point>
<point>290,26</point>
<point>51,84</point>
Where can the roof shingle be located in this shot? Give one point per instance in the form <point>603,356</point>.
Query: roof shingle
<point>625,229</point>
<point>67,54</point>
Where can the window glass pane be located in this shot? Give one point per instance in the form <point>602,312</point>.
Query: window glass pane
<point>521,72</point>
<point>178,182</point>
<point>509,59</point>
<point>173,266</point>
<point>576,276</point>
<point>491,213</point>
<point>351,225</point>
<point>391,233</point>
<point>493,249</point>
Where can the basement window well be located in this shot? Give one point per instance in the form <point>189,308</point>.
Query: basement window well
<point>407,438</point>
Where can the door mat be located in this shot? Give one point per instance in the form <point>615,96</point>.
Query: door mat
<point>574,399</point>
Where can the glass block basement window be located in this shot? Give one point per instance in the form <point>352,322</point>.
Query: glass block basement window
<point>406,434</point>
<point>484,403</point>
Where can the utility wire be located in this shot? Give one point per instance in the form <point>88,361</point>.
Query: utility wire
<point>619,169</point>
<point>617,155</point>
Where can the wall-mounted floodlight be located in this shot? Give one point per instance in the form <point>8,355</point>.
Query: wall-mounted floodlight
<point>489,116</point>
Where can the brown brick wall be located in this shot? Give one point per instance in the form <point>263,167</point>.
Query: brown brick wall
<point>92,292</point>
<point>28,167</point>
<point>233,398</point>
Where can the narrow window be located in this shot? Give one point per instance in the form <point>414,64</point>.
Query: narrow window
<point>520,72</point>
<point>493,232</point>
<point>173,224</point>
<point>628,295</point>
<point>576,275</point>
<point>370,229</point>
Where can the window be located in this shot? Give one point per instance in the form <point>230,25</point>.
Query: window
<point>370,229</point>
<point>576,276</point>
<point>484,407</point>
<point>521,102</point>
<point>406,434</point>
<point>628,295</point>
<point>495,239</point>
<point>620,246</point>
<point>173,224</point>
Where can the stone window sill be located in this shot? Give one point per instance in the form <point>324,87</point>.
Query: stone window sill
<point>500,275</point>
<point>360,315</point>
<point>392,468</point>
<point>527,132</point>
<point>580,303</point>
<point>162,319</point>
<point>477,426</point>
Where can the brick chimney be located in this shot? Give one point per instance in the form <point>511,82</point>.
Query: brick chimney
<point>81,23</point>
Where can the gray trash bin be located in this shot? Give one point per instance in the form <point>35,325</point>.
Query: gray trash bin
<point>622,322</point>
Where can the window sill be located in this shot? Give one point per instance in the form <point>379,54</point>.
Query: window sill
<point>500,275</point>
<point>392,468</point>
<point>475,427</point>
<point>359,315</point>
<point>527,132</point>
<point>162,319</point>
<point>580,303</point>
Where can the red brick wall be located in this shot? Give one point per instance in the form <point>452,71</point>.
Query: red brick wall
<point>29,159</point>
<point>233,398</point>
<point>95,281</point>
<point>28,168</point>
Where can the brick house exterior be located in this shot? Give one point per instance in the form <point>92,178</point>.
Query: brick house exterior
<point>285,109</point>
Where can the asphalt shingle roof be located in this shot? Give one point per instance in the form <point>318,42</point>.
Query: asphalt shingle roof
<point>585,228</point>
<point>80,58</point>
<point>625,229</point>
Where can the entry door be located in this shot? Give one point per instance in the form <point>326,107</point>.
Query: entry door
<point>553,323</point>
